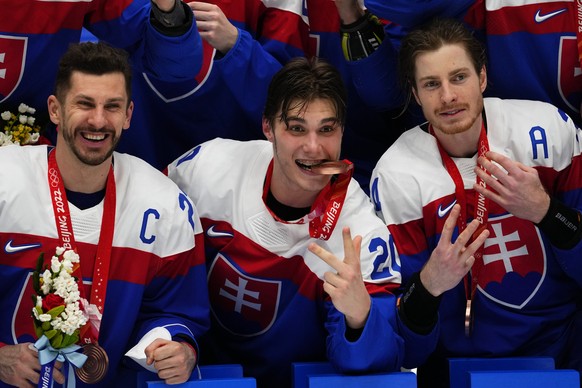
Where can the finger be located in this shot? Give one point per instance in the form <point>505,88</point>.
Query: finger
<point>199,6</point>
<point>477,242</point>
<point>58,376</point>
<point>351,248</point>
<point>469,262</point>
<point>332,279</point>
<point>450,223</point>
<point>152,351</point>
<point>326,256</point>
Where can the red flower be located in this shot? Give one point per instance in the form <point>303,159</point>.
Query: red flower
<point>51,301</point>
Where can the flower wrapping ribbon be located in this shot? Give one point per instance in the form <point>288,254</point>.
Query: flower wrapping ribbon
<point>47,355</point>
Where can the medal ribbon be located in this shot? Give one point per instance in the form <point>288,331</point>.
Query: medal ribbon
<point>326,207</point>
<point>89,334</point>
<point>480,209</point>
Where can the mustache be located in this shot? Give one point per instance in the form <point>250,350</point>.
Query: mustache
<point>448,108</point>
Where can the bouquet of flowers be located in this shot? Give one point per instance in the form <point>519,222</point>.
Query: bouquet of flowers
<point>19,128</point>
<point>57,313</point>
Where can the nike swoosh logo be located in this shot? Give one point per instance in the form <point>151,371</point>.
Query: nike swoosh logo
<point>214,233</point>
<point>9,248</point>
<point>542,18</point>
<point>443,211</point>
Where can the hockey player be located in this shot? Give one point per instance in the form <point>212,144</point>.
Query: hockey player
<point>263,205</point>
<point>138,236</point>
<point>513,165</point>
<point>531,47</point>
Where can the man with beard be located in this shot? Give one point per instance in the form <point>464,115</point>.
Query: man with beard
<point>140,267</point>
<point>514,166</point>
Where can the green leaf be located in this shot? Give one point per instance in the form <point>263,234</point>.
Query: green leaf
<point>36,283</point>
<point>69,340</point>
<point>50,333</point>
<point>40,262</point>
<point>56,311</point>
<point>38,331</point>
<point>57,340</point>
<point>46,326</point>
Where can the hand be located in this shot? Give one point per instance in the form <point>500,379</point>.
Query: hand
<point>346,287</point>
<point>173,360</point>
<point>165,5</point>
<point>19,366</point>
<point>450,262</point>
<point>349,10</point>
<point>518,189</point>
<point>213,26</point>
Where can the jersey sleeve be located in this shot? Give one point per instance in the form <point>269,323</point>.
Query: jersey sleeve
<point>567,188</point>
<point>248,66</point>
<point>376,76</point>
<point>127,24</point>
<point>412,13</point>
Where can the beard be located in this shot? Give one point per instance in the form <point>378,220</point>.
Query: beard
<point>90,157</point>
<point>462,125</point>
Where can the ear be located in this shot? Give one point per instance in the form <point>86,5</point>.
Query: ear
<point>483,78</point>
<point>415,94</point>
<point>53,109</point>
<point>267,130</point>
<point>128,114</point>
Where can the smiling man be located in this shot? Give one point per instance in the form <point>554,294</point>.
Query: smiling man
<point>140,266</point>
<point>512,166</point>
<point>276,296</point>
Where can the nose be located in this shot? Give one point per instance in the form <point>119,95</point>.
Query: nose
<point>448,93</point>
<point>97,117</point>
<point>311,142</point>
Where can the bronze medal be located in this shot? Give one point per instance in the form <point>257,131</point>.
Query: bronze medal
<point>95,367</point>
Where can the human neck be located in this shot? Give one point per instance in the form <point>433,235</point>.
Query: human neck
<point>463,144</point>
<point>287,194</point>
<point>80,177</point>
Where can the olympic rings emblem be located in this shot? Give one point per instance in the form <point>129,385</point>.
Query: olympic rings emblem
<point>54,178</point>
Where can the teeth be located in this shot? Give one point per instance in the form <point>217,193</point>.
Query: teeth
<point>309,163</point>
<point>94,136</point>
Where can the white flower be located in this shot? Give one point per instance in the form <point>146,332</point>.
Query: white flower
<point>47,282</point>
<point>58,280</point>
<point>6,115</point>
<point>55,264</point>
<point>31,110</point>
<point>23,119</point>
<point>34,137</point>
<point>30,120</point>
<point>23,108</point>
<point>71,256</point>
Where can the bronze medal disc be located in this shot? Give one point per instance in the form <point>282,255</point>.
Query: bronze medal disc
<point>95,367</point>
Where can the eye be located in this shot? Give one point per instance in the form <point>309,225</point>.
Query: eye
<point>431,84</point>
<point>295,128</point>
<point>85,104</point>
<point>328,129</point>
<point>113,107</point>
<point>459,77</point>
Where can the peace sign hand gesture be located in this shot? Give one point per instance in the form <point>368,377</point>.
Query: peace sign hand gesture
<point>346,287</point>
